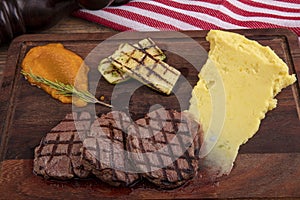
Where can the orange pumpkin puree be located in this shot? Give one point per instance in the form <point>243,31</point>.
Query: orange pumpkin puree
<point>55,63</point>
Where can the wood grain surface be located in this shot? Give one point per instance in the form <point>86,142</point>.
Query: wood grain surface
<point>266,167</point>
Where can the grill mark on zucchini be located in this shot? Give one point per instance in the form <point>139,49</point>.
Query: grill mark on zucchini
<point>157,61</point>
<point>163,85</point>
<point>150,70</point>
<point>136,74</point>
<point>114,75</point>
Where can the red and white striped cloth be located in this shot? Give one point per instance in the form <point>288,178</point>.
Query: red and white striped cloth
<point>153,15</point>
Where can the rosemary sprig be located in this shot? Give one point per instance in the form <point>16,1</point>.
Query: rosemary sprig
<point>66,89</point>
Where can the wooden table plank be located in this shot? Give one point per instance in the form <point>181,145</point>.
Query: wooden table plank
<point>269,176</point>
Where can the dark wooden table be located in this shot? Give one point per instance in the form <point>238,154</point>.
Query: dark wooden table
<point>66,25</point>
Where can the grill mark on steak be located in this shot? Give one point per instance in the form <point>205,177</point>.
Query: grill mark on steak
<point>54,148</point>
<point>62,154</point>
<point>62,131</point>
<point>98,156</point>
<point>58,155</point>
<point>70,146</point>
<point>145,157</point>
<point>152,133</point>
<point>186,155</point>
<point>147,119</point>
<point>179,175</point>
<point>104,152</point>
<point>112,136</point>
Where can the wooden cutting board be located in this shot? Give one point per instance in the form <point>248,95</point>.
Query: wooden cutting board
<point>267,166</point>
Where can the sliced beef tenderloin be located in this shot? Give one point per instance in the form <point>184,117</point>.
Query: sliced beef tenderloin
<point>165,147</point>
<point>58,156</point>
<point>104,151</point>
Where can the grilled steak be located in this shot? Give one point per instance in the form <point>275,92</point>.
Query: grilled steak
<point>165,147</point>
<point>103,151</point>
<point>58,155</point>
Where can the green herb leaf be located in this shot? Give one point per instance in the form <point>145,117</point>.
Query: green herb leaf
<point>66,89</point>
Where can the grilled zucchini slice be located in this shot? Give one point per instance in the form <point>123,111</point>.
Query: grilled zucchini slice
<point>114,75</point>
<point>142,66</point>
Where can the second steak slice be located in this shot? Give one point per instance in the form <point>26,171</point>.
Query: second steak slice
<point>104,152</point>
<point>165,147</point>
